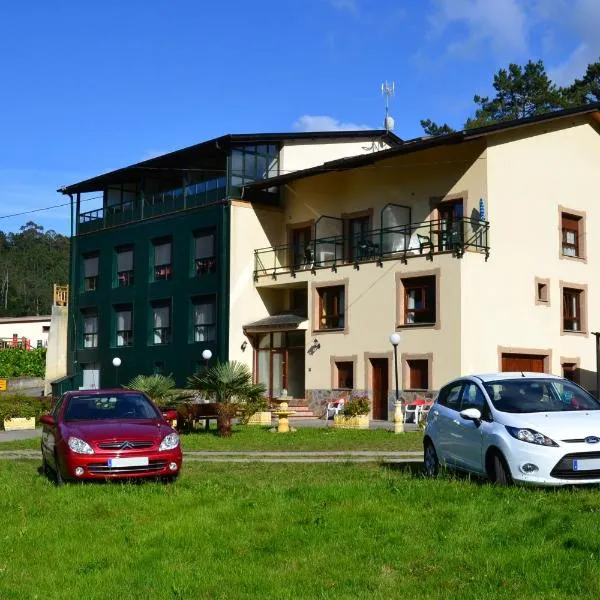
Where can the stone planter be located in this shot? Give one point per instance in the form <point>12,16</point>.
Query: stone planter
<point>358,422</point>
<point>19,423</point>
<point>260,418</point>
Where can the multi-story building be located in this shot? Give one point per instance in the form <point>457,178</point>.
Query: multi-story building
<point>151,267</point>
<point>480,248</point>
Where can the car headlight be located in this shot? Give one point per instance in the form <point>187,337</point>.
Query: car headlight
<point>169,442</point>
<point>531,436</point>
<point>79,446</point>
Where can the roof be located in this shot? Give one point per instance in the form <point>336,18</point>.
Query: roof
<point>32,319</point>
<point>285,320</point>
<point>424,143</point>
<point>216,147</point>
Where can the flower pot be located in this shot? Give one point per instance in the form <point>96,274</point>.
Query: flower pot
<point>18,423</point>
<point>358,422</point>
<point>260,418</point>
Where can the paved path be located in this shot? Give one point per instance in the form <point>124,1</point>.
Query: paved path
<point>266,457</point>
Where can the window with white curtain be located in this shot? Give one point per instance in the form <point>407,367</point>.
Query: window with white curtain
<point>162,260</point>
<point>204,252</point>
<point>124,326</point>
<point>90,329</point>
<point>205,326</point>
<point>161,323</point>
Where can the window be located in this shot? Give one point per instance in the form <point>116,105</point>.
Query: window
<point>124,262</point>
<point>331,307</point>
<point>90,328</point>
<point>162,260</point>
<point>124,326</point>
<point>472,397</point>
<point>158,368</point>
<point>418,374</point>
<point>90,272</point>
<point>345,374</point>
<point>205,324</point>
<point>419,300</point>
<point>542,291</point>
<point>359,246</point>
<point>570,371</point>
<point>205,260</point>
<point>570,226</point>
<point>252,163</point>
<point>572,318</point>
<point>161,323</point>
<point>450,396</point>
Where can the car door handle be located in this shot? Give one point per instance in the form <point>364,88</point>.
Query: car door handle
<point>456,421</point>
<point>436,413</point>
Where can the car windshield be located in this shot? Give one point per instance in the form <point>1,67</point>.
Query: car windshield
<point>112,406</point>
<point>539,395</point>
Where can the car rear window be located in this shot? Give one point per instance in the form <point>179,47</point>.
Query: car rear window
<point>112,406</point>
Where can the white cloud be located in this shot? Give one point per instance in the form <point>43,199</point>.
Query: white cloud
<point>325,123</point>
<point>500,23</point>
<point>350,6</point>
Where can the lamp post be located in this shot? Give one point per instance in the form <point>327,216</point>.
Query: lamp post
<point>596,334</point>
<point>116,361</point>
<point>206,355</point>
<point>398,415</point>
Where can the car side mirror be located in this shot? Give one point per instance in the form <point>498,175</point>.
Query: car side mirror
<point>471,414</point>
<point>169,415</point>
<point>47,420</point>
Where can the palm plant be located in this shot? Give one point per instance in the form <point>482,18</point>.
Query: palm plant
<point>230,384</point>
<point>160,388</point>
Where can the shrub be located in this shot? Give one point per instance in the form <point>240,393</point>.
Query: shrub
<point>15,405</point>
<point>356,406</point>
<point>252,406</point>
<point>160,388</point>
<point>17,362</point>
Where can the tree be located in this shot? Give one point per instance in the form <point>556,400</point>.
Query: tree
<point>521,92</point>
<point>160,388</point>
<point>432,128</point>
<point>230,384</point>
<point>525,91</point>
<point>586,89</point>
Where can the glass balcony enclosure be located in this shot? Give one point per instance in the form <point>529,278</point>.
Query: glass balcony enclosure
<point>182,185</point>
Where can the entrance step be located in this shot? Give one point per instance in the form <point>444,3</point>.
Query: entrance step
<point>301,410</point>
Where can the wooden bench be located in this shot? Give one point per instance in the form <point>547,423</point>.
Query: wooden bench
<point>188,413</point>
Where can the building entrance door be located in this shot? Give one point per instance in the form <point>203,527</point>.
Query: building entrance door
<point>91,376</point>
<point>380,387</point>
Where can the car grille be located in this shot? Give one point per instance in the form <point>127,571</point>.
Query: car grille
<point>124,445</point>
<point>104,469</point>
<point>564,467</point>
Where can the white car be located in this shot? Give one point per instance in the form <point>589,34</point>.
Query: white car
<point>524,427</point>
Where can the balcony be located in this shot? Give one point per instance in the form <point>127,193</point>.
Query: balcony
<point>401,242</point>
<point>146,206</point>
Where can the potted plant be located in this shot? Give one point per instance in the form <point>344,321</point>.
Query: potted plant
<point>230,384</point>
<point>354,415</point>
<point>18,412</point>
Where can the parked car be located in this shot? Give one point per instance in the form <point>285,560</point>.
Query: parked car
<point>100,434</point>
<point>523,427</point>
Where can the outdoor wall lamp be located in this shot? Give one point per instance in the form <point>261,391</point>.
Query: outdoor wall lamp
<point>244,345</point>
<point>314,346</point>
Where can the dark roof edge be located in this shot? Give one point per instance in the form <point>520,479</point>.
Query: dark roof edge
<point>230,138</point>
<point>423,143</point>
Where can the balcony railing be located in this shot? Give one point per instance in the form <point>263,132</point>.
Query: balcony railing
<point>391,243</point>
<point>151,205</point>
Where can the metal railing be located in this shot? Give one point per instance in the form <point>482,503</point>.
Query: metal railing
<point>401,242</point>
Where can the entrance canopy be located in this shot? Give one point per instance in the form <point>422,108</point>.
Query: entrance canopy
<point>281,322</point>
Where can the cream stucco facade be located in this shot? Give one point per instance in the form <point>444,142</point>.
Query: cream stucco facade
<point>485,306</point>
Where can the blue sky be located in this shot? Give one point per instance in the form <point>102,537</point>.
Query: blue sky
<point>92,86</point>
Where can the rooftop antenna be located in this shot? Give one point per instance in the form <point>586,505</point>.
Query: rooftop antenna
<point>388,89</point>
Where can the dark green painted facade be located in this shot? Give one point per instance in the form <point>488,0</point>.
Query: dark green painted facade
<point>182,356</point>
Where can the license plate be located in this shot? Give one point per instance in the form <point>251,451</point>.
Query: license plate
<point>135,461</point>
<point>586,464</point>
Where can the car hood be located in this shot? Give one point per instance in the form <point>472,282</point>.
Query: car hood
<point>563,425</point>
<point>125,429</point>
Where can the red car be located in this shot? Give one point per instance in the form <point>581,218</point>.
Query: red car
<point>108,434</point>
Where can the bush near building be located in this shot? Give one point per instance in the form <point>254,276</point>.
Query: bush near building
<point>18,362</point>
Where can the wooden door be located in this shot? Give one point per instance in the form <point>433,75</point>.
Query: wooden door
<point>534,363</point>
<point>380,387</point>
<point>450,215</point>
<point>301,248</point>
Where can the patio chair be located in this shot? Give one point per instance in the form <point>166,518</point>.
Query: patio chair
<point>334,407</point>
<point>424,242</point>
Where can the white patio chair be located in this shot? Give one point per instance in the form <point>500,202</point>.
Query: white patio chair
<point>334,407</point>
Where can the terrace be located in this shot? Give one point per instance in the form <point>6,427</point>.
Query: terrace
<point>399,242</point>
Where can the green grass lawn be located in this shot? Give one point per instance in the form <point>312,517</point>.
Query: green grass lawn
<point>252,438</point>
<point>294,531</point>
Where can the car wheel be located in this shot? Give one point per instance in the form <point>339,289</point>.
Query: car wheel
<point>45,467</point>
<point>58,478</point>
<point>430,461</point>
<point>500,471</point>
